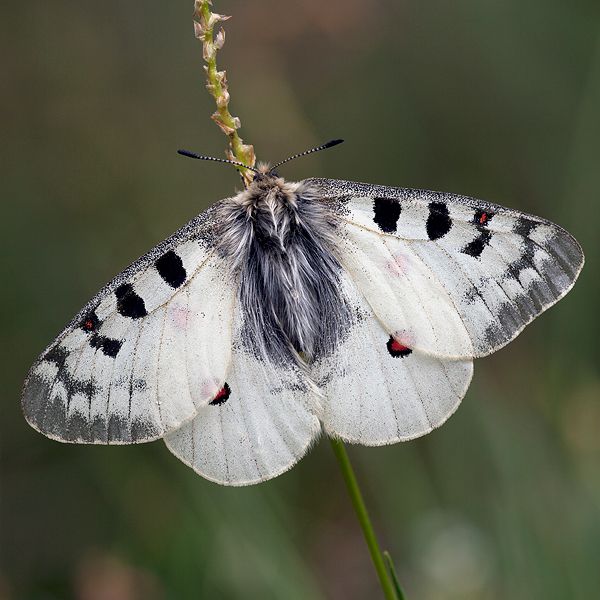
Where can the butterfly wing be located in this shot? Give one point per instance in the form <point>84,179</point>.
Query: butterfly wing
<point>445,274</point>
<point>260,425</point>
<point>432,280</point>
<point>145,353</point>
<point>378,391</point>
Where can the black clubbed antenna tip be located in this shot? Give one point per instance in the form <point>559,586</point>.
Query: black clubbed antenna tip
<point>327,145</point>
<point>188,153</point>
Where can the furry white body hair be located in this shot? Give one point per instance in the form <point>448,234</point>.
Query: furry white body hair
<point>280,239</point>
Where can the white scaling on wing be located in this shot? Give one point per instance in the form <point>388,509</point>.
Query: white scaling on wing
<point>261,427</point>
<point>468,297</point>
<point>207,321</point>
<point>403,292</point>
<point>376,396</point>
<point>181,346</point>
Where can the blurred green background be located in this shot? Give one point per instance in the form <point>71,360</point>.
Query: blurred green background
<point>498,100</point>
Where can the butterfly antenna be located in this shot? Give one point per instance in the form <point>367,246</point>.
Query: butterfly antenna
<point>224,160</point>
<point>327,145</point>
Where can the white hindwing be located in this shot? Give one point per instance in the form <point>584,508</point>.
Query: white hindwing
<point>377,391</point>
<point>259,427</point>
<point>145,353</point>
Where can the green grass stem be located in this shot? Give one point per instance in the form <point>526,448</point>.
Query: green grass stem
<point>365,524</point>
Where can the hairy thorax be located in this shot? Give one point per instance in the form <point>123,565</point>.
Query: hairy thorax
<point>282,243</point>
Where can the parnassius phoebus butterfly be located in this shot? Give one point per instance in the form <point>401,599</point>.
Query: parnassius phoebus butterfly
<point>295,307</point>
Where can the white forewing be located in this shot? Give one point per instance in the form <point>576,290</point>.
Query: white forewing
<point>262,425</point>
<point>145,353</point>
<point>445,258</point>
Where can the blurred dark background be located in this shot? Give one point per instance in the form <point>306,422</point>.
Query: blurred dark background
<point>498,100</point>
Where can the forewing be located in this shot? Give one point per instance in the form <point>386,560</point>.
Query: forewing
<point>377,390</point>
<point>454,276</point>
<point>258,426</point>
<point>145,353</point>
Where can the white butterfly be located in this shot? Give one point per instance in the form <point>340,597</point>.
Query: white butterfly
<point>293,307</point>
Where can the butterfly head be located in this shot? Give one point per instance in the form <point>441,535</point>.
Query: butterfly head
<point>264,172</point>
<point>268,192</point>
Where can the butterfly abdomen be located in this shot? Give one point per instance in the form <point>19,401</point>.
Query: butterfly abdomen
<point>281,241</point>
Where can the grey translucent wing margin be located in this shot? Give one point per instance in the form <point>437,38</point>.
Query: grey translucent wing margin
<point>502,267</point>
<point>201,230</point>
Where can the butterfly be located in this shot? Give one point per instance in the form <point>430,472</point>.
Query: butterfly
<point>293,308</point>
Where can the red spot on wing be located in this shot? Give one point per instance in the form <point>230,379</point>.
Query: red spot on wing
<point>180,317</point>
<point>90,322</point>
<point>222,396</point>
<point>396,349</point>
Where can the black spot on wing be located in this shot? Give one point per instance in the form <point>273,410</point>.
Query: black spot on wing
<point>524,227</point>
<point>129,304</point>
<point>57,355</point>
<point>476,247</point>
<point>170,268</point>
<point>439,222</point>
<point>109,347</point>
<point>222,396</point>
<point>387,213</point>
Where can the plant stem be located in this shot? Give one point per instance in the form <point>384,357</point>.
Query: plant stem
<point>397,587</point>
<point>363,518</point>
<point>217,86</point>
